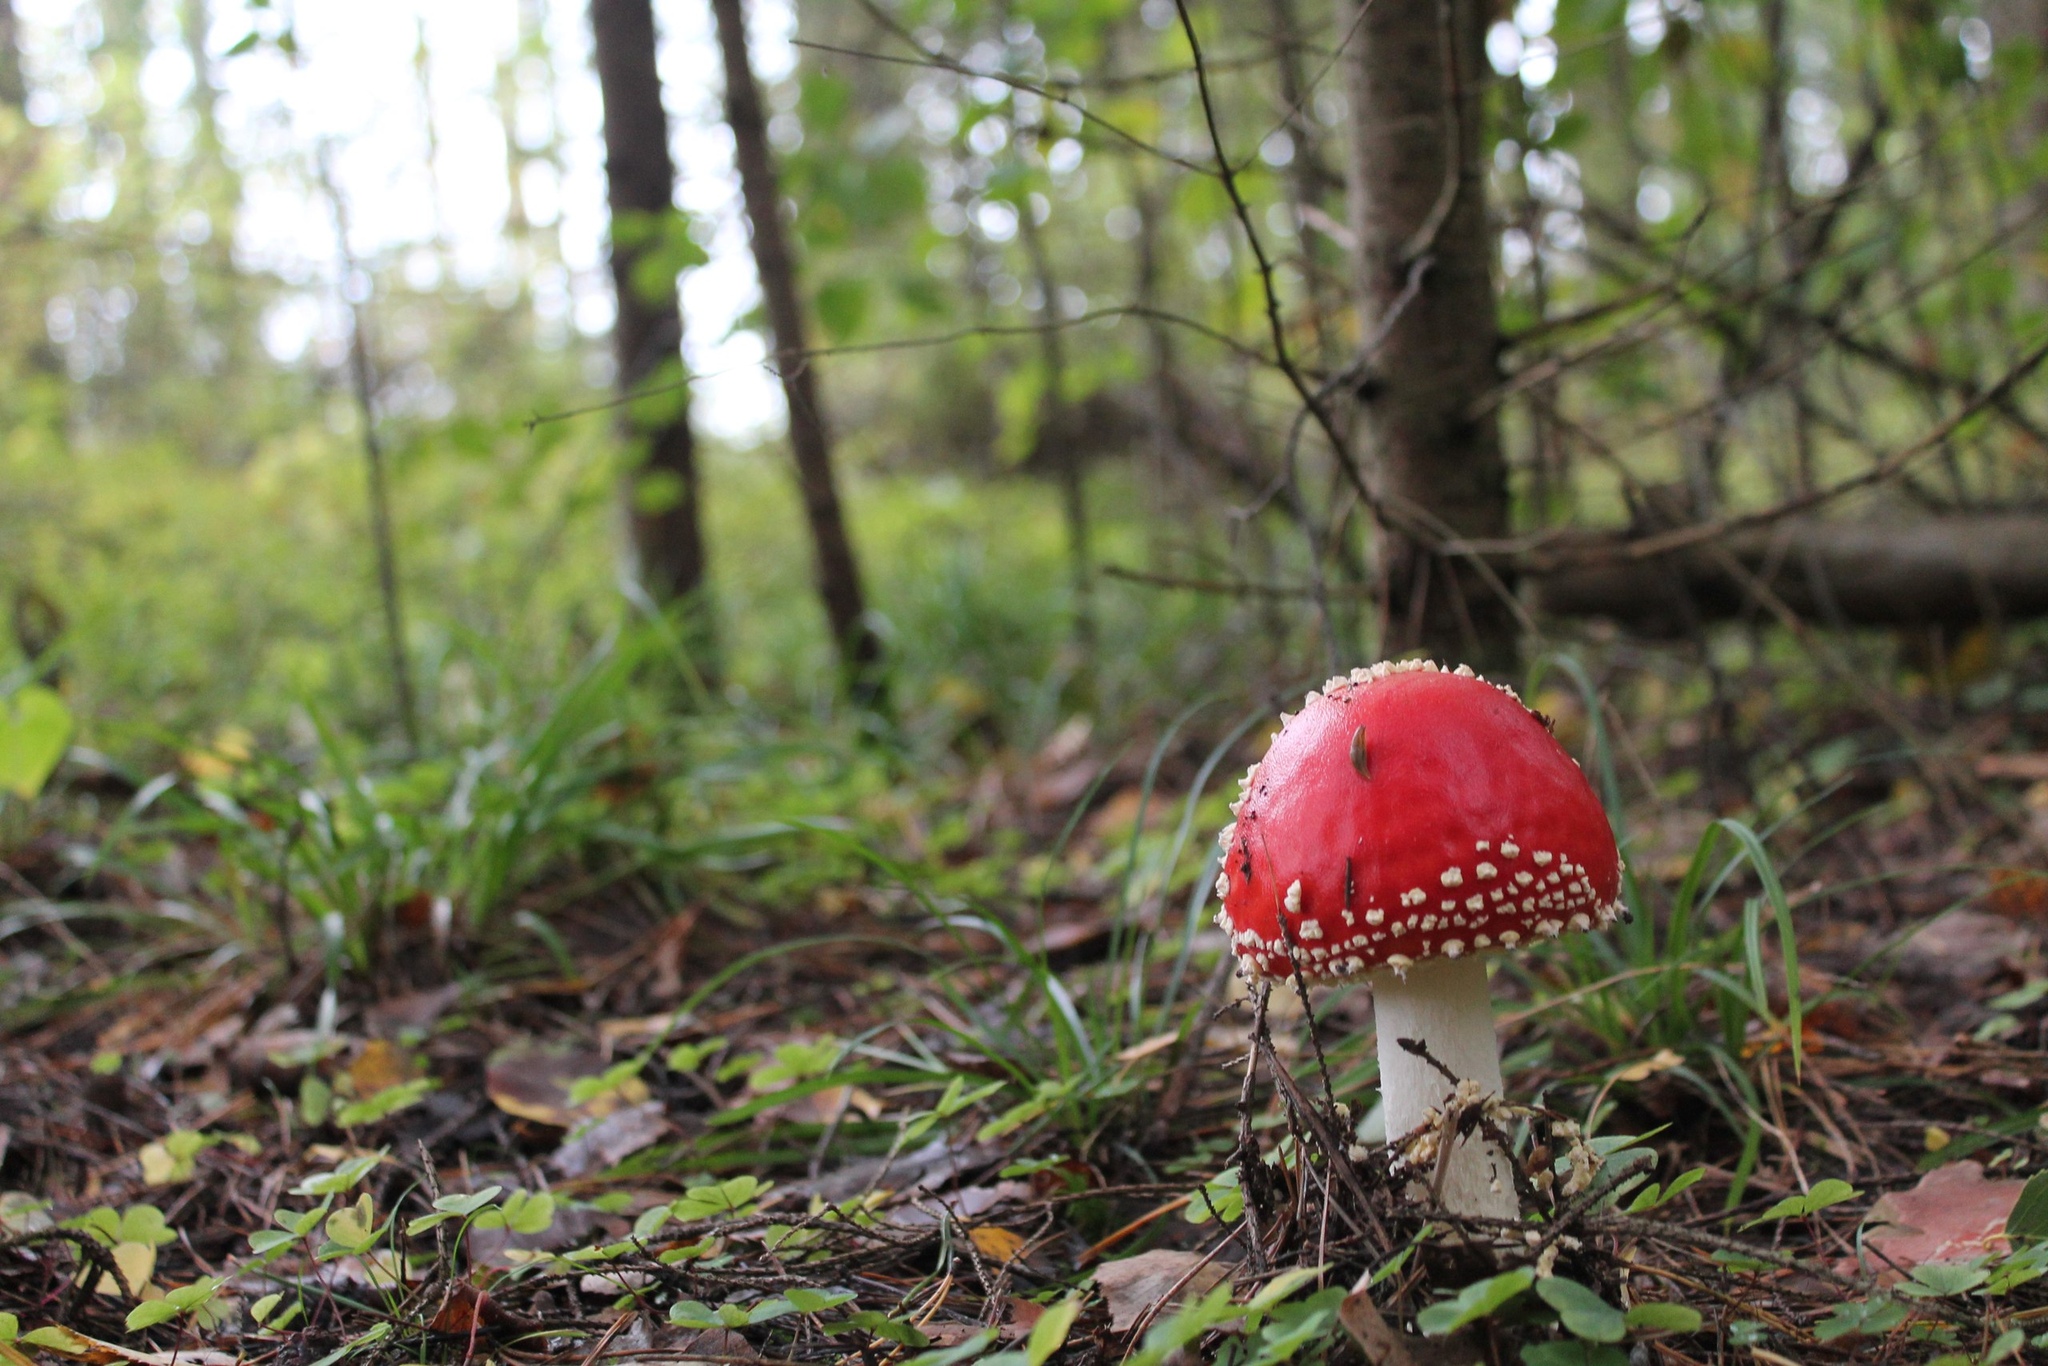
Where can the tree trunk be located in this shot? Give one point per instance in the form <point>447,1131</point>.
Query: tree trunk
<point>663,494</point>
<point>1948,571</point>
<point>839,585</point>
<point>13,88</point>
<point>1418,199</point>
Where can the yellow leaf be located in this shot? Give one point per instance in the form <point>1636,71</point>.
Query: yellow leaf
<point>379,1067</point>
<point>1147,1047</point>
<point>1936,1138</point>
<point>135,1261</point>
<point>997,1243</point>
<point>1664,1061</point>
<point>159,1167</point>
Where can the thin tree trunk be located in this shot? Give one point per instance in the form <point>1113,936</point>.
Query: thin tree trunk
<point>1418,196</point>
<point>664,493</point>
<point>838,574</point>
<point>1056,440</point>
<point>13,87</point>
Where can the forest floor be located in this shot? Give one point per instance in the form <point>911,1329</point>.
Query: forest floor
<point>781,1096</point>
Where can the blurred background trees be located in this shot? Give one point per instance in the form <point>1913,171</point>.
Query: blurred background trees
<point>1503,328</point>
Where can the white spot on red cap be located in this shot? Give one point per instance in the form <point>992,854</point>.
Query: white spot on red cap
<point>1414,896</point>
<point>1453,947</point>
<point>1452,877</point>
<point>1486,870</point>
<point>1541,857</point>
<point>1292,901</point>
<point>1508,849</point>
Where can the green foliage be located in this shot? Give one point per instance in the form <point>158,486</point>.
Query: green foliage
<point>1474,1302</point>
<point>35,726</point>
<point>1582,1312</point>
<point>1822,1195</point>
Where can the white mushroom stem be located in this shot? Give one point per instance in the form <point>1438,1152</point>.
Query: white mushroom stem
<point>1443,1002</point>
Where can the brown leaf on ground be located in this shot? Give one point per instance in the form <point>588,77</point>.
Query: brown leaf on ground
<point>380,1066</point>
<point>1134,1286</point>
<point>419,1010</point>
<point>610,1140</point>
<point>1380,1341</point>
<point>1954,1214</point>
<point>531,1080</point>
<point>2019,894</point>
<point>1964,948</point>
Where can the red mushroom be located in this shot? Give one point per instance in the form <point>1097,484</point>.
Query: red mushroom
<point>1408,819</point>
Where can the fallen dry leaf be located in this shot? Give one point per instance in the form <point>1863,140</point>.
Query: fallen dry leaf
<point>1954,1214</point>
<point>380,1066</point>
<point>1964,948</point>
<point>532,1080</point>
<point>610,1140</point>
<point>1134,1286</point>
<point>2019,893</point>
<point>419,1010</point>
<point>1377,1338</point>
<point>998,1244</point>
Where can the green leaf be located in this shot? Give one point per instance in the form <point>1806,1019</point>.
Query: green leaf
<point>691,1314</point>
<point>150,1313</point>
<point>341,1178</point>
<point>1222,1194</point>
<point>1050,1332</point>
<point>1938,1280</point>
<point>843,307</point>
<point>385,1103</point>
<point>1655,1195</point>
<point>967,1350</point>
<point>1474,1302</point>
<point>1874,1316</point>
<point>688,1057</point>
<point>1824,1194</point>
<point>261,1309</point>
<point>815,1301</point>
<point>1583,1313</point>
<point>2029,1218</point>
<point>1572,1353</point>
<point>35,726</point>
<point>522,1212</point>
<point>880,1325</point>
<point>269,1240</point>
<point>2007,1343</point>
<point>1663,1318</point>
<point>10,1327</point>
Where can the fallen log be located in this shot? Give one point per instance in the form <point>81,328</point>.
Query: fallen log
<point>1948,571</point>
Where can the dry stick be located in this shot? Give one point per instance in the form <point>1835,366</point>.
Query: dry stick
<point>1275,323</point>
<point>1247,1146</point>
<point>373,452</point>
<point>946,63</point>
<point>809,353</point>
<point>1339,1153</point>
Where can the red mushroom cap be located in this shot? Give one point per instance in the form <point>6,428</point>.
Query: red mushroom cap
<point>1410,812</point>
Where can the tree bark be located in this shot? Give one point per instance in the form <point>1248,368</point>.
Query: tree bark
<point>1948,571</point>
<point>1418,201</point>
<point>13,87</point>
<point>838,574</point>
<point>663,493</point>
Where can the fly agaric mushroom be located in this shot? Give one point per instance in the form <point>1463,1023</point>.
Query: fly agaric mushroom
<point>1407,820</point>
